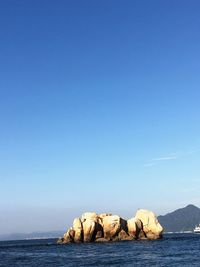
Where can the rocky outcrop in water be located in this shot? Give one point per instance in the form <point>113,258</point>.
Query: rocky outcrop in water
<point>92,227</point>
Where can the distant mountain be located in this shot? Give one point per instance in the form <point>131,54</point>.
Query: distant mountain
<point>35,235</point>
<point>184,219</point>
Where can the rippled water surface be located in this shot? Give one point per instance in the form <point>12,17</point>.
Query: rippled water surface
<point>172,250</point>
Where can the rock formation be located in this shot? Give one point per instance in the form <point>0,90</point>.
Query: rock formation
<point>151,227</point>
<point>105,227</point>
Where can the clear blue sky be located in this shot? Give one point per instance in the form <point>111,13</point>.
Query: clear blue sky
<point>99,109</point>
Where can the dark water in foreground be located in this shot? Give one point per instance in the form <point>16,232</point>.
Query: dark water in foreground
<point>173,250</point>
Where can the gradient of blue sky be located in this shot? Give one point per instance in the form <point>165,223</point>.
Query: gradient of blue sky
<point>99,109</point>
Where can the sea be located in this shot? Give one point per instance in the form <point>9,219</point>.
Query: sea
<point>172,250</point>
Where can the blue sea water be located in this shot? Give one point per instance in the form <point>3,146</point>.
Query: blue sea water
<point>172,250</point>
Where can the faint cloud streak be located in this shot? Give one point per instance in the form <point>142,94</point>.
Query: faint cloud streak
<point>149,164</point>
<point>172,156</point>
<point>155,161</point>
<point>165,158</point>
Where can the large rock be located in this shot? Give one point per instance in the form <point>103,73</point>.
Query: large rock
<point>78,228</point>
<point>89,227</point>
<point>133,229</point>
<point>102,215</point>
<point>151,227</point>
<point>89,216</point>
<point>68,237</point>
<point>111,226</point>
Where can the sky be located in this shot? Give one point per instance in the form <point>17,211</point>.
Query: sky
<point>99,109</point>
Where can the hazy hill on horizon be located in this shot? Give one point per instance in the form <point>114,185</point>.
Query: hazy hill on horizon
<point>183,219</point>
<point>33,235</point>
